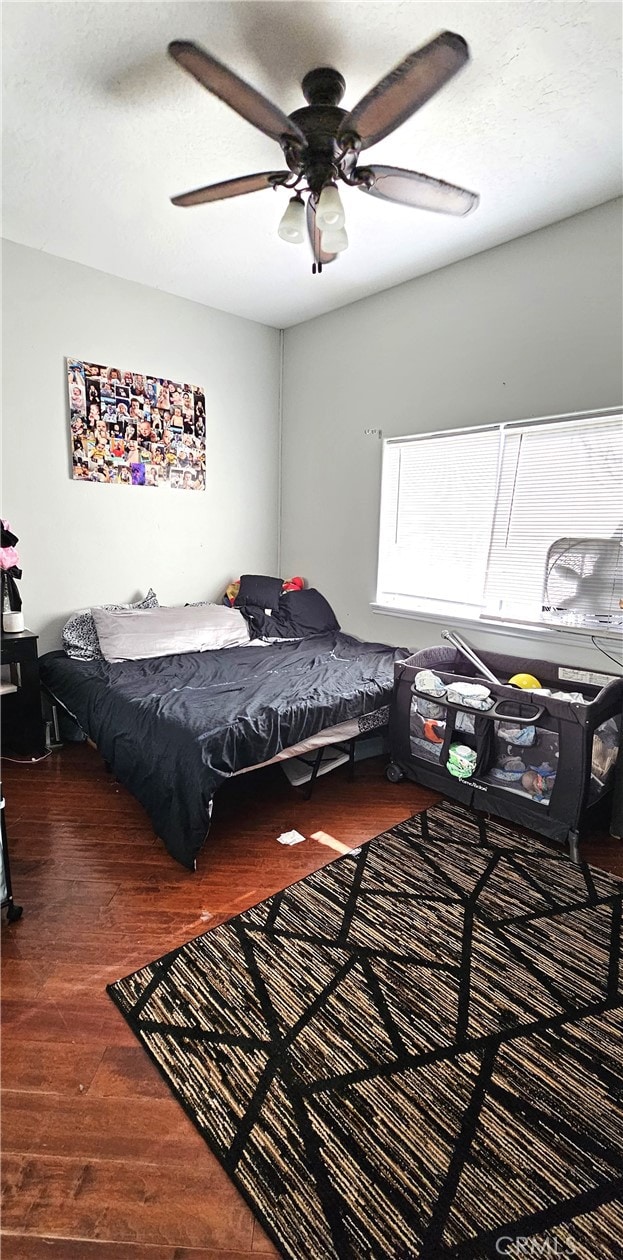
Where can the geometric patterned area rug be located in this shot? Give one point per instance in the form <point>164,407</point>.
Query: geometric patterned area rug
<point>412,1053</point>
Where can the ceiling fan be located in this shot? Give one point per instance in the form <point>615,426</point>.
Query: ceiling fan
<point>321,143</point>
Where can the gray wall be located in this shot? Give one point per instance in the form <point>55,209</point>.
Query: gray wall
<point>530,328</point>
<point>83,543</point>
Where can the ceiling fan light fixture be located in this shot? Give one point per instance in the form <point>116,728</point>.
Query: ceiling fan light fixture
<point>334,240</point>
<point>329,211</point>
<point>292,226</point>
<point>321,142</point>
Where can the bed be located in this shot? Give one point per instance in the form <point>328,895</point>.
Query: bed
<point>174,728</point>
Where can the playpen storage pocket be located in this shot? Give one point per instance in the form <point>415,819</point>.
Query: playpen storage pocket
<point>544,760</point>
<point>524,755</point>
<point>437,727</point>
<point>604,751</point>
<point>427,726</point>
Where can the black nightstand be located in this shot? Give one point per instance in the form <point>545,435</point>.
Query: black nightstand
<point>22,723</point>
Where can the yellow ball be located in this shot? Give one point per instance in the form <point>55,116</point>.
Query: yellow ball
<point>527,681</point>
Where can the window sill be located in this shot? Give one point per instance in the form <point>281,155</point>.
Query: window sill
<point>517,629</point>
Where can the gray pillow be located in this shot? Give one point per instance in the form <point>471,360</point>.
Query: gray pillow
<point>136,635</point>
<point>80,635</point>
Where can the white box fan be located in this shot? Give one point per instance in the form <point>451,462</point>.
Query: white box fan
<point>584,581</point>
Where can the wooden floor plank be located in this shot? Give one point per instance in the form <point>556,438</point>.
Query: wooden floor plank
<point>261,1244</point>
<point>100,1162</point>
<point>137,1130</point>
<point>19,977</point>
<point>18,1247</point>
<point>56,1067</point>
<point>177,1205</point>
<point>126,1072</point>
<point>93,1022</point>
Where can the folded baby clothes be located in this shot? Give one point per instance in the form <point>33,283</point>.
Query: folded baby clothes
<point>430,683</point>
<point>523,735</point>
<point>576,696</point>
<point>423,748</point>
<point>474,695</point>
<point>461,761</point>
<point>428,708</point>
<point>465,722</point>
<point>498,775</point>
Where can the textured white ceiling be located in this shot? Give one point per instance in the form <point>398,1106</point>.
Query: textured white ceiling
<point>101,127</point>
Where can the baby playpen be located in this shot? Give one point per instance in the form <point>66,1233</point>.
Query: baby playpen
<point>544,761</point>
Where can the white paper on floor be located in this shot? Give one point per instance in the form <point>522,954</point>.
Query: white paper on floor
<point>290,837</point>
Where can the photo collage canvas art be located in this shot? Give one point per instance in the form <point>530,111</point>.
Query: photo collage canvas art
<point>134,430</point>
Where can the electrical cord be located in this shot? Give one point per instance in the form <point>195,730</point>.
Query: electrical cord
<point>28,761</point>
<point>599,648</point>
<point>602,649</point>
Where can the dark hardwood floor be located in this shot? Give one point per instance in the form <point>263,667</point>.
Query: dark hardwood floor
<point>99,1161</point>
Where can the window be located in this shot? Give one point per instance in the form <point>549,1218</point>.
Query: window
<point>519,522</point>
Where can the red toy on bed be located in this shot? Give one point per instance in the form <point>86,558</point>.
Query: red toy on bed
<point>233,590</point>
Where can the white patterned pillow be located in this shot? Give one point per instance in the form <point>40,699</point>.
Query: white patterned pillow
<point>80,639</point>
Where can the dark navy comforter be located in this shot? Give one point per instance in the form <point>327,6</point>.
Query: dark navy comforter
<point>174,728</point>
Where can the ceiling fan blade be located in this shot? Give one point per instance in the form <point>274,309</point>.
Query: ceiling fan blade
<point>406,88</point>
<point>320,255</point>
<point>421,191</point>
<point>231,188</point>
<point>222,82</point>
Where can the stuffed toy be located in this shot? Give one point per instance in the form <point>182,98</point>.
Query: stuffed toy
<point>11,600</point>
<point>231,593</point>
<point>291,584</point>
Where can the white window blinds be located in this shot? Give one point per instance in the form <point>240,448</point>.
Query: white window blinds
<point>559,481</point>
<point>473,521</point>
<point>437,505</point>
